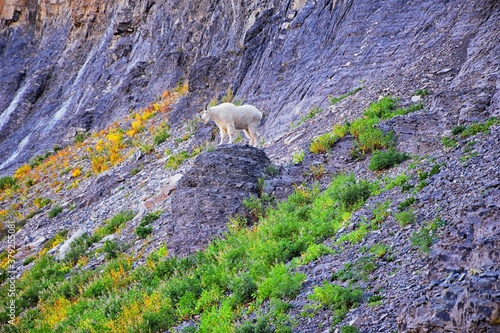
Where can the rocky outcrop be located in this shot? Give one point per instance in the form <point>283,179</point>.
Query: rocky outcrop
<point>210,192</point>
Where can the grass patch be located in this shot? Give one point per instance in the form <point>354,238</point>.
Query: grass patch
<point>405,217</point>
<point>386,159</point>
<point>55,211</point>
<point>425,237</point>
<point>144,228</point>
<point>7,182</point>
<point>335,100</point>
<point>298,157</point>
<point>323,143</point>
<point>336,298</point>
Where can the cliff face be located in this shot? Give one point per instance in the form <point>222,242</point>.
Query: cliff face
<point>77,66</point>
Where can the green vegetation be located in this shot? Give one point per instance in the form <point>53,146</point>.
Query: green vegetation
<point>349,329</point>
<point>298,157</point>
<point>176,160</point>
<point>407,203</point>
<point>448,142</point>
<point>58,238</point>
<point>7,182</point>
<point>355,236</point>
<point>222,286</point>
<point>359,270</point>
<point>161,135</point>
<point>144,229</point>
<point>80,137</point>
<point>368,137</point>
<point>467,131</point>
<point>55,211</point>
<point>311,114</point>
<point>114,224</point>
<point>111,249</point>
<point>425,237</point>
<point>405,217</point>
<point>422,92</point>
<point>335,100</point>
<point>380,213</point>
<point>323,143</point>
<point>475,128</point>
<point>379,250</point>
<point>336,298</point>
<point>386,159</point>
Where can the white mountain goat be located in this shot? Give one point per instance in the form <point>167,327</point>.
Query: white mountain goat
<point>231,118</point>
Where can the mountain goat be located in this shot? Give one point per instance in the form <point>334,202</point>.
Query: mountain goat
<point>231,118</point>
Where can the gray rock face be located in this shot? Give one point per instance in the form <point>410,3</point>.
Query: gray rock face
<point>210,192</point>
<point>71,66</point>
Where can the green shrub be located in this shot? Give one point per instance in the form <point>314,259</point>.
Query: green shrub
<point>59,237</point>
<point>110,248</point>
<point>176,160</point>
<point>37,160</point>
<point>380,212</point>
<point>79,138</point>
<point>114,224</point>
<point>379,250</point>
<point>458,129</point>
<point>149,218</point>
<point>218,319</point>
<point>7,182</point>
<point>375,300</point>
<point>41,202</point>
<point>474,128</point>
<point>323,143</point>
<point>280,284</point>
<point>298,157</point>
<point>336,298</point>
<point>381,109</point>
<point>425,237</point>
<point>349,329</point>
<point>28,260</point>
<point>353,193</point>
<point>243,288</point>
<point>422,92</point>
<point>368,136</point>
<point>341,130</point>
<point>78,248</point>
<point>258,206</point>
<point>386,159</point>
<point>407,203</point>
<point>405,217</point>
<point>356,271</point>
<point>143,231</point>
<point>261,325</point>
<point>161,136</point>
<point>55,211</point>
<point>355,236</point>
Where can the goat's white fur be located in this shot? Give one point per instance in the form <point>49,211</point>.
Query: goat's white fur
<point>231,118</point>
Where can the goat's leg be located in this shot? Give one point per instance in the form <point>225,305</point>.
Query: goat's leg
<point>222,135</point>
<point>253,135</point>
<point>249,136</point>
<point>231,131</point>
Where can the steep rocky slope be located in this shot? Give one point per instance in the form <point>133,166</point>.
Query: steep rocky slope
<point>71,70</point>
<point>77,66</point>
